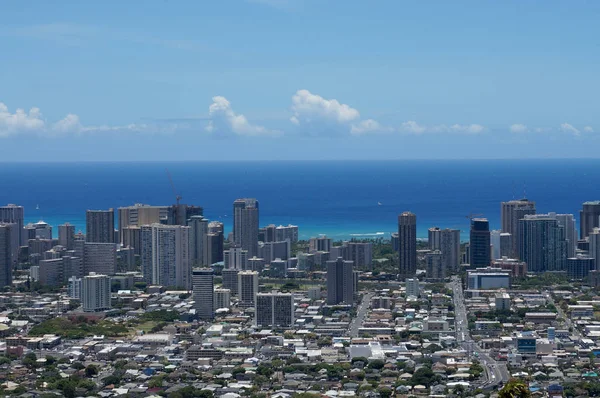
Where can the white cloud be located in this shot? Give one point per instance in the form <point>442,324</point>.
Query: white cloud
<point>223,120</point>
<point>567,128</point>
<point>70,124</point>
<point>368,126</point>
<point>415,128</point>
<point>518,128</point>
<point>20,121</point>
<point>467,128</point>
<point>310,108</point>
<point>412,127</point>
<point>588,129</point>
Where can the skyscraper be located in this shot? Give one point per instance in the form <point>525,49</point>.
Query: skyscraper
<point>245,224</point>
<point>274,309</point>
<point>594,238</point>
<point>407,235</point>
<point>542,246</point>
<point>480,250</point>
<point>100,258</point>
<point>100,226</point>
<point>510,214</point>
<point>13,214</point>
<point>230,280</point>
<point>434,238</point>
<point>248,288</point>
<point>66,235</point>
<point>198,232</point>
<point>165,255</point>
<point>450,248</point>
<point>580,267</point>
<point>340,282</point>
<point>320,244</point>
<point>235,258</point>
<point>589,218</point>
<point>433,261</point>
<point>213,249</point>
<point>203,291</point>
<point>95,292</point>
<point>6,254</point>
<point>141,214</point>
<point>222,298</point>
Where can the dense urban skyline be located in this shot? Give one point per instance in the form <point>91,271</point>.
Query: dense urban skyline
<point>396,81</point>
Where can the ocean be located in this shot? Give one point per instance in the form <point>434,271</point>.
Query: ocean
<point>342,199</point>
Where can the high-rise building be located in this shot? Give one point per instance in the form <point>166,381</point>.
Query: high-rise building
<point>506,241</point>
<point>141,214</point>
<point>74,287</point>
<point>510,214</point>
<point>203,292</point>
<point>256,264</point>
<point>407,235</point>
<point>165,255</point>
<point>198,232</point>
<point>13,214</point>
<point>320,244</point>
<point>213,248</point>
<point>235,258</point>
<point>274,309</point>
<point>100,258</point>
<point>100,226</point>
<point>38,230</point>
<point>594,239</point>
<point>589,218</point>
<point>480,250</point>
<point>131,236</point>
<point>412,287</point>
<point>450,248</point>
<point>360,253</point>
<point>272,250</point>
<point>434,238</point>
<point>495,242</point>
<point>230,280</point>
<point>340,282</point>
<point>245,225</point>
<point>433,261</point>
<point>66,235</point>
<point>283,232</point>
<point>6,253</point>
<point>395,242</point>
<point>516,267</point>
<point>248,288</point>
<point>567,221</point>
<point>179,214</point>
<point>543,245</point>
<point>580,267</point>
<point>222,298</point>
<point>95,292</point>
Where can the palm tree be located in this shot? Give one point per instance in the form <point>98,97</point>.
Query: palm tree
<point>515,389</point>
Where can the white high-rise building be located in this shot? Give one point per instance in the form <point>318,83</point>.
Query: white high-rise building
<point>235,258</point>
<point>594,251</point>
<point>320,244</point>
<point>274,309</point>
<point>165,255</point>
<point>495,242</point>
<point>95,292</point>
<point>198,232</point>
<point>74,287</point>
<point>248,288</point>
<point>412,287</point>
<point>13,214</point>
<point>203,291</point>
<point>222,298</point>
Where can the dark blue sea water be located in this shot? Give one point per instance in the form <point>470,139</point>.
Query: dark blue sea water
<point>337,198</point>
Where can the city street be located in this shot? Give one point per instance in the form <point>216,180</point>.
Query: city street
<point>361,313</point>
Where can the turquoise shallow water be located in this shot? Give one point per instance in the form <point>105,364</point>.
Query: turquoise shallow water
<point>337,198</point>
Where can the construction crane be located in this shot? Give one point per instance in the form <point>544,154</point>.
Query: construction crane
<point>177,196</point>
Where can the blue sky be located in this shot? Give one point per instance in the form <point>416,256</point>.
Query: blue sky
<point>293,79</point>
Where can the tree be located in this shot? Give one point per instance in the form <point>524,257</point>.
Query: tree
<point>112,379</point>
<point>77,366</point>
<point>91,371</point>
<point>514,389</point>
<point>384,392</point>
<point>376,364</point>
<point>29,360</point>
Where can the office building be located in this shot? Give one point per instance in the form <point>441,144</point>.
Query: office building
<point>213,248</point>
<point>395,242</point>
<point>340,282</point>
<point>580,267</point>
<point>495,242</point>
<point>594,242</point>
<point>274,310</point>
<point>278,268</point>
<point>6,253</point>
<point>516,267</point>
<point>589,218</point>
<point>502,301</point>
<point>230,280</point>
<point>71,266</point>
<point>100,258</point>
<point>216,227</point>
<point>131,236</point>
<point>256,264</point>
<point>433,262</point>
<point>198,232</point>
<point>434,238</point>
<point>510,214</point>
<point>506,244</point>
<point>141,214</point>
<point>66,236</point>
<point>412,287</point>
<point>235,258</point>
<point>479,243</point>
<point>407,235</point>
<point>95,292</point>
<point>13,214</point>
<point>100,226</point>
<point>543,246</point>
<point>39,246</point>
<point>450,248</point>
<point>203,293</point>
<point>179,214</point>
<point>222,298</point>
<point>51,272</point>
<point>74,287</point>
<point>165,255</point>
<point>567,221</point>
<point>245,225</point>
<point>248,288</point>
<point>360,253</point>
<point>488,278</point>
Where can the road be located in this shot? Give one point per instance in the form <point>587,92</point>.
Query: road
<point>361,313</point>
<point>567,320</point>
<point>496,372</point>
